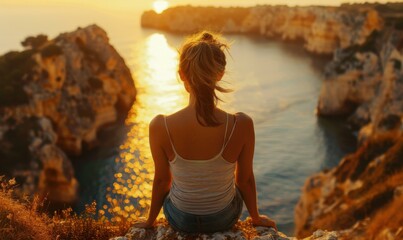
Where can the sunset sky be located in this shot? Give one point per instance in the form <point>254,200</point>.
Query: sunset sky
<point>148,3</point>
<point>51,17</point>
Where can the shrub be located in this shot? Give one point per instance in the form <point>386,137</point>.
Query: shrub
<point>35,42</point>
<point>15,70</point>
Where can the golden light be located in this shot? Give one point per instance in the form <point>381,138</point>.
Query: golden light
<point>160,5</point>
<point>159,92</point>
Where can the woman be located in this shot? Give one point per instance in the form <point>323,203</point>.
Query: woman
<point>203,156</point>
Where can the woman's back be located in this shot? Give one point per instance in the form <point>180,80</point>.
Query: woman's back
<point>193,141</point>
<point>203,183</point>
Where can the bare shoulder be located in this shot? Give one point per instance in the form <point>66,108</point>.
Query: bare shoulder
<point>241,116</point>
<point>157,122</point>
<point>244,120</point>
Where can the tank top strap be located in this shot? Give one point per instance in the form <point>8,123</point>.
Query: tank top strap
<point>225,135</point>
<point>230,135</point>
<point>169,135</point>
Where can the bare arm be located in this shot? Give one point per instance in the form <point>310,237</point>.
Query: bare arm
<point>162,175</point>
<point>245,179</point>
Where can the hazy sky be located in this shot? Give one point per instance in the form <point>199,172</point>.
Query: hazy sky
<point>29,17</point>
<point>145,4</point>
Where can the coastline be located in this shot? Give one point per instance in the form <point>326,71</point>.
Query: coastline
<point>374,112</point>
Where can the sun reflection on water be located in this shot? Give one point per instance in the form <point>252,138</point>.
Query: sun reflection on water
<point>159,92</point>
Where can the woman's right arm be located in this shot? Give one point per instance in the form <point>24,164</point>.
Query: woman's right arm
<point>244,177</point>
<point>162,174</point>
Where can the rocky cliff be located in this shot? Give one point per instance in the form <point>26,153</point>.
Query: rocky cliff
<point>54,98</point>
<point>364,82</point>
<point>363,194</point>
<point>241,231</point>
<point>361,197</point>
<point>322,29</point>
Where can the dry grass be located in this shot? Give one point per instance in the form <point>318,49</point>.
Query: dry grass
<point>69,225</point>
<point>17,221</point>
<point>22,219</point>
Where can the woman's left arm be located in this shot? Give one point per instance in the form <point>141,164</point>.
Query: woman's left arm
<point>162,175</point>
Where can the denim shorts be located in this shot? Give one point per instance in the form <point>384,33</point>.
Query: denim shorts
<point>215,222</point>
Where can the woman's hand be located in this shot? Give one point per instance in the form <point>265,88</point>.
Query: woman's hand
<point>143,223</point>
<point>264,221</point>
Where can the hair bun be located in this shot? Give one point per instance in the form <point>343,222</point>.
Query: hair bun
<point>207,36</point>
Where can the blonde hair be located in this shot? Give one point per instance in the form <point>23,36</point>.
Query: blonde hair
<point>202,62</point>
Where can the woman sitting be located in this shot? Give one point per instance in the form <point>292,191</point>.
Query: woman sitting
<point>203,155</point>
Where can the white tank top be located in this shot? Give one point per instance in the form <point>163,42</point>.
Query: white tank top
<point>202,186</point>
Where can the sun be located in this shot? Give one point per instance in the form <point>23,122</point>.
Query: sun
<point>160,5</point>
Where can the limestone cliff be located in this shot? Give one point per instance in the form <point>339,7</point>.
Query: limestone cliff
<point>322,29</point>
<point>54,98</point>
<point>366,82</point>
<point>363,194</point>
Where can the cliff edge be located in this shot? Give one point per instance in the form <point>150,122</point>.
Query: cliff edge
<point>363,194</point>
<point>243,230</point>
